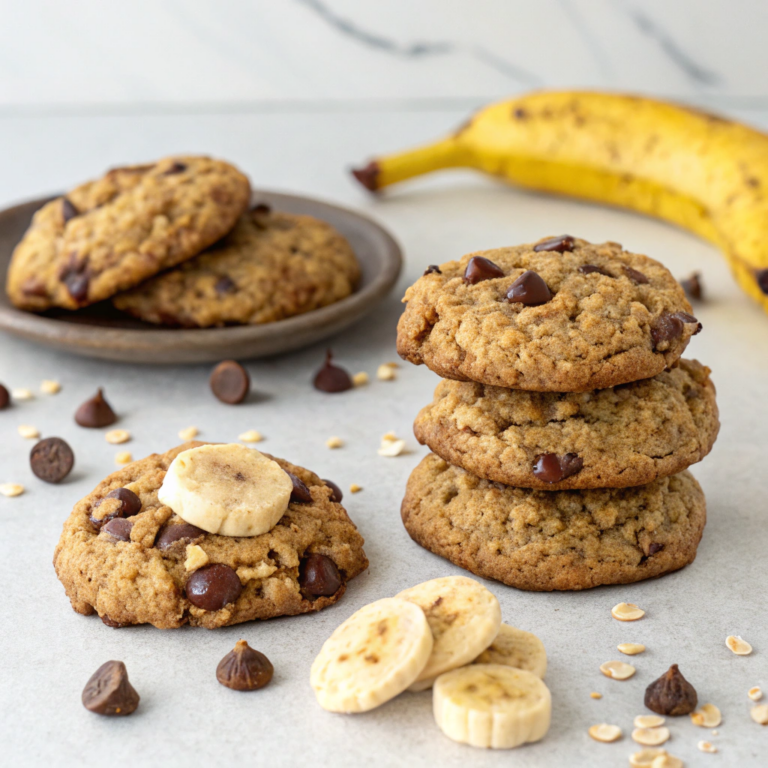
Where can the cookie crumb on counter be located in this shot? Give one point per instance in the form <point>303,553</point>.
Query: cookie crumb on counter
<point>29,432</point>
<point>355,488</point>
<point>595,695</point>
<point>50,387</point>
<point>124,457</point>
<point>11,489</point>
<point>334,442</point>
<point>386,372</point>
<point>117,436</point>
<point>190,433</point>
<point>605,733</point>
<point>627,612</point>
<point>22,394</point>
<point>739,646</point>
<point>360,379</point>
<point>251,436</point>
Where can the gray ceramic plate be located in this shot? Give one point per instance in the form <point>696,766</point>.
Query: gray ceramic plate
<point>103,332</point>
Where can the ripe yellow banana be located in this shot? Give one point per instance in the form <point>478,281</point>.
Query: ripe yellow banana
<point>703,172</point>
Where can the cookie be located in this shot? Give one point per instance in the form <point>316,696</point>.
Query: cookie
<point>571,318</point>
<point>144,580</point>
<point>627,435</point>
<point>108,235</point>
<point>271,266</point>
<point>554,540</point>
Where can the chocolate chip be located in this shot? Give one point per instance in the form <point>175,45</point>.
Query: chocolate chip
<point>130,503</point>
<point>693,287</point>
<point>368,176</point>
<point>529,289</point>
<point>34,287</point>
<point>95,412</point>
<point>432,269</point>
<point>561,244</point>
<point>635,276</point>
<point>119,528</point>
<point>5,397</point>
<point>244,669</point>
<point>654,547</point>
<point>762,280</point>
<point>213,586</point>
<point>332,378</point>
<point>176,167</point>
<point>230,382</point>
<point>224,285</point>
<point>551,468</point>
<point>318,577</point>
<point>300,492</point>
<point>687,319</point>
<point>52,459</point>
<point>114,624</point>
<point>337,495</point>
<point>479,268</point>
<point>671,694</point>
<point>173,533</point>
<point>261,208</point>
<point>109,691</point>
<point>588,269</point>
<point>669,327</point>
<point>77,285</point>
<point>68,210</point>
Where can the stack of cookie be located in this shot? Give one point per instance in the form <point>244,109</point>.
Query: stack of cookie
<point>565,421</point>
<point>178,243</point>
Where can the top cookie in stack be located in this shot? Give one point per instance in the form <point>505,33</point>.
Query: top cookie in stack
<point>563,376</point>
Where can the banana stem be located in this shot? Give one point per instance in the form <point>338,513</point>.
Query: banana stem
<point>382,172</point>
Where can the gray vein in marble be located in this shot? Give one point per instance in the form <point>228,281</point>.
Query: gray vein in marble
<point>592,41</point>
<point>695,71</point>
<point>418,49</point>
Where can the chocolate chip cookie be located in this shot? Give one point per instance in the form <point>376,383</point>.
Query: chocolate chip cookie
<point>561,315</point>
<point>626,435</point>
<point>108,235</point>
<point>124,555</point>
<point>271,266</point>
<point>561,540</point>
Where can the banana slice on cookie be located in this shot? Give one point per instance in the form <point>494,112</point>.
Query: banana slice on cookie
<point>491,705</point>
<point>464,618</point>
<point>516,648</point>
<point>227,489</point>
<point>372,657</point>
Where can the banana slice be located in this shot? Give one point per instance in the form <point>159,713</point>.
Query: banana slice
<point>491,705</point>
<point>516,648</point>
<point>227,489</point>
<point>464,618</point>
<point>372,657</point>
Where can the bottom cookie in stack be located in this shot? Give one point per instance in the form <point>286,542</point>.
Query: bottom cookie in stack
<point>554,540</point>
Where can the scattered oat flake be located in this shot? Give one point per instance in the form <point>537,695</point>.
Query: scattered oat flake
<point>50,387</point>
<point>251,436</point>
<point>595,695</point>
<point>706,746</point>
<point>755,693</point>
<point>334,442</point>
<point>392,448</point>
<point>360,379</point>
<point>759,714</point>
<point>124,457</point>
<point>648,721</point>
<point>631,649</point>
<point>22,394</point>
<point>627,612</point>
<point>355,488</point>
<point>707,716</point>
<point>617,670</point>
<point>190,433</point>
<point>645,757</point>
<point>31,433</point>
<point>117,436</point>
<point>666,761</point>
<point>11,489</point>
<point>651,737</point>
<point>386,372</point>
<point>605,733</point>
<point>738,646</point>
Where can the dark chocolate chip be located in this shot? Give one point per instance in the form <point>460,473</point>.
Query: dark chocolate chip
<point>635,276</point>
<point>529,289</point>
<point>244,669</point>
<point>130,503</point>
<point>669,327</point>
<point>213,586</point>
<point>230,382</point>
<point>318,577</point>
<point>654,547</point>
<point>671,694</point>
<point>551,468</point>
<point>762,280</point>
<point>109,691</point>
<point>224,285</point>
<point>68,210</point>
<point>34,287</point>
<point>119,528</point>
<point>560,244</point>
<point>432,269</point>
<point>479,268</point>
<point>77,285</point>
<point>51,459</point>
<point>114,624</point>
<point>300,492</point>
<point>337,495</point>
<point>693,286</point>
<point>5,397</point>
<point>332,378</point>
<point>176,167</point>
<point>95,412</point>
<point>688,319</point>
<point>173,533</point>
<point>589,269</point>
<point>261,208</point>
